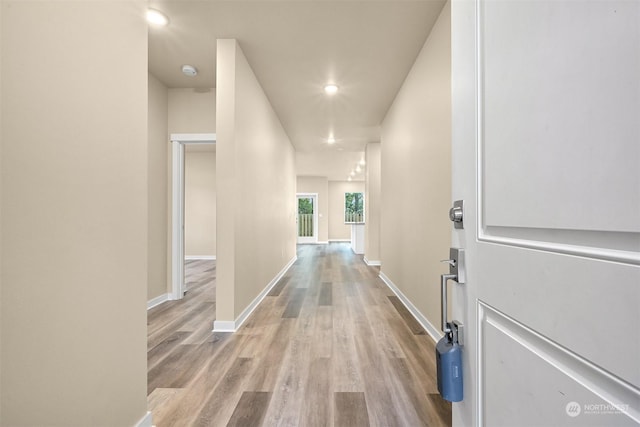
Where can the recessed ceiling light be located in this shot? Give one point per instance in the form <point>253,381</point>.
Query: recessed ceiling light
<point>189,70</point>
<point>331,140</point>
<point>362,162</point>
<point>352,173</point>
<point>331,89</point>
<point>358,168</point>
<point>157,18</point>
<point>349,179</point>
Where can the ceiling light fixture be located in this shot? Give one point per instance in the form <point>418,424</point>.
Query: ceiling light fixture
<point>362,162</point>
<point>349,179</point>
<point>189,70</point>
<point>358,169</point>
<point>331,140</point>
<point>352,173</point>
<point>157,18</point>
<point>331,89</point>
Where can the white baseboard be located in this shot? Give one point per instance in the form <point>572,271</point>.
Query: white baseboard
<point>224,326</point>
<point>371,263</point>
<point>433,332</point>
<point>146,421</point>
<point>157,300</point>
<point>199,257</point>
<point>232,326</point>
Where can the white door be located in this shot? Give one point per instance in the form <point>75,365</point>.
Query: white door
<point>307,218</point>
<point>546,155</point>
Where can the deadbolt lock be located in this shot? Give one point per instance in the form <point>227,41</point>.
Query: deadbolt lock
<point>456,214</point>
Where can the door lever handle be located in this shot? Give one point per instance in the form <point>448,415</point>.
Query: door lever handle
<point>456,263</point>
<point>444,278</point>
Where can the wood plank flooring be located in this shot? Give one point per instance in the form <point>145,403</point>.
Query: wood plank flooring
<point>329,346</point>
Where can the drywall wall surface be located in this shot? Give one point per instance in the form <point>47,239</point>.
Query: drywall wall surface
<point>416,175</point>
<point>256,186</point>
<point>192,110</point>
<point>157,171</point>
<point>372,200</point>
<point>1,136</point>
<point>74,213</point>
<point>200,204</point>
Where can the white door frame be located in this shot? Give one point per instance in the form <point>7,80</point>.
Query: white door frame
<point>315,218</point>
<point>178,141</point>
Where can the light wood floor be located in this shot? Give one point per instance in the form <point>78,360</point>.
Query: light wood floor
<point>329,346</point>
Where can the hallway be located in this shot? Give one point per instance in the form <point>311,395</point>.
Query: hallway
<point>329,345</point>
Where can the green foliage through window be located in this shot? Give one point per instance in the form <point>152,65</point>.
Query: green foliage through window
<point>305,206</point>
<point>353,207</point>
<point>305,216</point>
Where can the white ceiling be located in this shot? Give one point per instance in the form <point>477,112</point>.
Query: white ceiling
<point>295,48</point>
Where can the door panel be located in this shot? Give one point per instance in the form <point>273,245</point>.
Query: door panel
<point>307,218</point>
<point>559,100</point>
<point>546,155</point>
<point>565,372</point>
<point>571,300</point>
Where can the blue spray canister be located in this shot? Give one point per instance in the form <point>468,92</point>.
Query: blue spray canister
<point>449,367</point>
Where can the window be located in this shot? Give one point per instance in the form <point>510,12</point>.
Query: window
<point>353,207</point>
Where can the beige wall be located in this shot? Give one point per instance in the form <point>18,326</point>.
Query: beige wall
<point>372,202</point>
<point>416,175</point>
<point>158,188</point>
<point>338,230</point>
<point>74,213</point>
<point>1,174</point>
<point>319,185</point>
<point>1,139</point>
<point>200,203</point>
<point>256,184</point>
<point>192,110</point>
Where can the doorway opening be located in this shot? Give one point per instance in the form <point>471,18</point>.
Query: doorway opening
<point>178,145</point>
<point>307,218</point>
